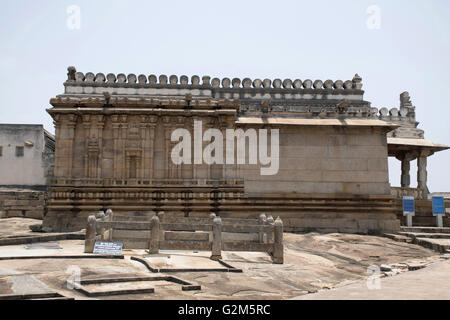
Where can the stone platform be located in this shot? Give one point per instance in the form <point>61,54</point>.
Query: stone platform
<point>313,262</point>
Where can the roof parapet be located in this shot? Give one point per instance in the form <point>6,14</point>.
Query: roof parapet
<point>163,81</point>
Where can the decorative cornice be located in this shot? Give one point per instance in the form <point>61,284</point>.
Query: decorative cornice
<point>89,84</point>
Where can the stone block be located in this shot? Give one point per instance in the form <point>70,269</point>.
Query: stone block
<point>34,214</point>
<point>15,213</point>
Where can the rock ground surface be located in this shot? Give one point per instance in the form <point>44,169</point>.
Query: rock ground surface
<point>314,263</point>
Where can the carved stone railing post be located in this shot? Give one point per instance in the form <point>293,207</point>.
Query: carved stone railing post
<point>277,255</point>
<point>91,232</point>
<point>154,235</point>
<point>101,217</point>
<point>422,175</point>
<point>262,221</point>
<point>217,239</point>
<point>270,236</point>
<point>110,216</point>
<point>405,177</point>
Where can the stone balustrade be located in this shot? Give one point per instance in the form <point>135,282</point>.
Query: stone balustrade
<point>211,234</point>
<point>79,83</point>
<point>205,81</point>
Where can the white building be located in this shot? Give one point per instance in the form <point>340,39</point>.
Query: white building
<point>26,156</point>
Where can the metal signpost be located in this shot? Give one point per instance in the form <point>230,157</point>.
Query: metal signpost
<point>438,210</point>
<point>408,209</point>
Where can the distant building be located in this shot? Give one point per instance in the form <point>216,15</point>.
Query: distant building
<point>26,156</point>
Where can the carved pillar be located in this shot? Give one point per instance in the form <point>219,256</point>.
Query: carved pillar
<point>93,129</point>
<point>99,126</point>
<point>167,149</point>
<point>178,169</point>
<point>119,125</point>
<point>149,148</point>
<point>209,124</point>
<point>65,134</point>
<point>422,175</point>
<point>116,137</point>
<point>405,179</point>
<point>406,158</point>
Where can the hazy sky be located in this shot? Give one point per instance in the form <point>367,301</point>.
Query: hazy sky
<point>410,51</point>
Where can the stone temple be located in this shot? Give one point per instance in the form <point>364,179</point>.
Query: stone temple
<point>114,144</point>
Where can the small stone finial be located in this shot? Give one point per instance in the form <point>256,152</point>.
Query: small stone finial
<point>108,212</point>
<point>195,80</point>
<point>89,77</point>
<point>71,73</point>
<point>111,77</point>
<point>384,112</point>
<point>338,84</point>
<point>246,83</point>
<point>276,83</point>
<point>206,80</point>
<point>215,82</point>
<point>297,84</point>
<point>142,79</point>
<point>393,112</point>
<point>307,84</point>
<point>267,83</point>
<point>131,78</point>
<point>79,77</point>
<point>152,79</point>
<point>121,78</point>
<point>318,84</point>
<point>99,78</point>
<point>173,79</point>
<point>357,82</point>
<point>287,83</point>
<point>328,84</point>
<point>236,82</point>
<point>257,83</point>
<point>163,79</point>
<point>184,80</point>
<point>226,82</point>
<point>348,85</point>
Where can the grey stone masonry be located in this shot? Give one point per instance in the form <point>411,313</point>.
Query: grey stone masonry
<point>405,116</point>
<point>294,97</point>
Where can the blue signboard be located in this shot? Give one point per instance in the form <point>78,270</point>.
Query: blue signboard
<point>438,205</point>
<point>408,205</point>
<point>108,248</point>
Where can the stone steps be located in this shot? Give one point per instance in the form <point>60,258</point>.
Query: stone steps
<point>426,235</point>
<point>426,230</point>
<point>437,239</point>
<point>439,245</point>
<point>398,238</point>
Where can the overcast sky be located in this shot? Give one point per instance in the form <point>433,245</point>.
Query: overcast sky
<point>406,49</point>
